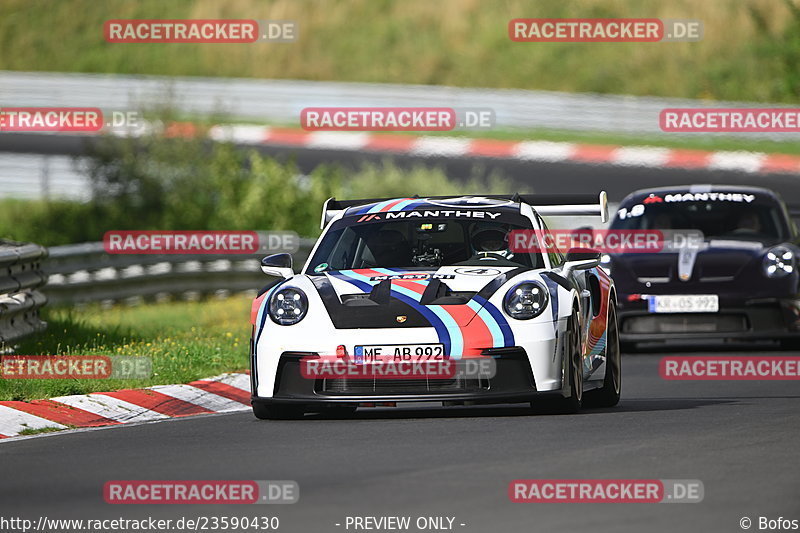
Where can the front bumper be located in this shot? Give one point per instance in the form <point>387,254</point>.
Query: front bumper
<point>737,319</point>
<point>512,382</point>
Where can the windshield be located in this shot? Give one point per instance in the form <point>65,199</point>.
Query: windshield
<point>720,220</point>
<point>415,243</point>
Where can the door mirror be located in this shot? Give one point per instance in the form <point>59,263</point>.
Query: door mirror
<point>580,259</point>
<point>279,265</point>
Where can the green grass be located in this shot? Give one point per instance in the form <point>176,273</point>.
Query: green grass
<point>185,340</point>
<point>750,48</point>
<point>32,431</point>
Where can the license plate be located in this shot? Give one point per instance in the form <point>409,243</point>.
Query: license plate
<point>391,353</point>
<point>686,303</point>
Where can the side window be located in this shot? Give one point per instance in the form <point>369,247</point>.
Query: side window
<point>343,252</point>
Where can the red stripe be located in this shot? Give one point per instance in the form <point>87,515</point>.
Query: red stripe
<point>256,305</point>
<point>593,153</point>
<point>158,402</point>
<point>474,331</point>
<point>286,136</point>
<point>391,205</point>
<point>61,413</point>
<point>221,389</point>
<point>390,143</point>
<point>688,159</point>
<point>492,148</point>
<point>781,163</point>
<point>4,436</point>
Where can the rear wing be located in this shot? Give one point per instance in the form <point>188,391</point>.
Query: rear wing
<point>545,204</point>
<point>570,205</point>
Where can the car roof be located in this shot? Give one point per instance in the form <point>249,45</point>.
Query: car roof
<point>694,189</point>
<point>411,204</point>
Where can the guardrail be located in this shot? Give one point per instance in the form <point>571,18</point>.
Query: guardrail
<point>20,275</point>
<point>280,101</point>
<point>83,273</point>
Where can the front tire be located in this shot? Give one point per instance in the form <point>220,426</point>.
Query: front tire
<point>608,395</point>
<point>573,375</point>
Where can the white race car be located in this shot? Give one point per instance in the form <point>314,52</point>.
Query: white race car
<point>433,280</point>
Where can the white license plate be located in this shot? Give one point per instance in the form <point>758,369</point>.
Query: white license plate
<point>396,353</point>
<point>683,303</point>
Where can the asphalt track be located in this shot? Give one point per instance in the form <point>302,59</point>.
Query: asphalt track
<point>739,438</point>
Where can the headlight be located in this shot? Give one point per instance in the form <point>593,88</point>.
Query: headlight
<point>779,262</point>
<point>288,306</point>
<point>526,300</point>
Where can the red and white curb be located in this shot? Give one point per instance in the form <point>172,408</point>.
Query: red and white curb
<point>542,151</point>
<point>221,394</point>
<point>462,147</point>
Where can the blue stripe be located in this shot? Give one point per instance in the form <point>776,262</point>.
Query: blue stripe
<point>402,205</point>
<point>378,207</point>
<point>447,319</point>
<point>261,318</point>
<point>499,319</point>
<point>498,340</point>
<point>432,315</point>
<point>552,286</point>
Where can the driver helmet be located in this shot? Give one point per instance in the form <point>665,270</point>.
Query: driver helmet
<point>489,240</point>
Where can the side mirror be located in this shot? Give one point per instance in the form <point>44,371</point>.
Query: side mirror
<point>580,259</point>
<point>279,265</point>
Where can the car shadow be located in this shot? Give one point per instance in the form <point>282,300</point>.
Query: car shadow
<point>521,410</point>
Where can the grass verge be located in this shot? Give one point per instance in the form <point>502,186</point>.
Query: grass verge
<point>185,340</point>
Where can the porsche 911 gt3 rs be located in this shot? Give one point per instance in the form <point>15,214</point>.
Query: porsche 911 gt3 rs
<point>739,283</point>
<point>416,278</point>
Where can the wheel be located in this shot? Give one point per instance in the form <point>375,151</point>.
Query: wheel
<point>276,412</point>
<point>608,394</point>
<point>574,373</point>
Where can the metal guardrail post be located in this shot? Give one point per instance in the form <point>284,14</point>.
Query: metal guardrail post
<point>20,276</point>
<point>84,273</point>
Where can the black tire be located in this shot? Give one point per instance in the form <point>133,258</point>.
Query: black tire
<point>608,395</point>
<point>276,412</point>
<point>574,370</point>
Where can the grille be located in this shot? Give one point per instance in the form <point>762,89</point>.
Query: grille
<point>686,323</point>
<point>400,386</point>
